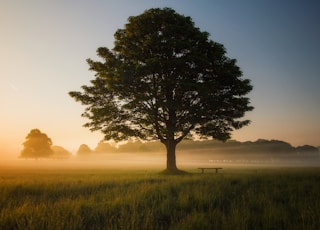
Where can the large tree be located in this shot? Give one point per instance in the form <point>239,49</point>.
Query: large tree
<point>164,79</point>
<point>37,145</point>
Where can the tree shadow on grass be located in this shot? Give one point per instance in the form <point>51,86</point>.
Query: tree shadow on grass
<point>174,172</point>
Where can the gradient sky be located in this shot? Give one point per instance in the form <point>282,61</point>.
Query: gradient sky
<point>44,46</point>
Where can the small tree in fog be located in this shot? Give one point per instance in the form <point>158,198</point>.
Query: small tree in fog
<point>164,79</point>
<point>37,145</point>
<point>83,150</point>
<point>60,152</point>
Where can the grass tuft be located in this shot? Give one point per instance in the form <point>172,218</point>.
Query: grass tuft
<point>174,172</point>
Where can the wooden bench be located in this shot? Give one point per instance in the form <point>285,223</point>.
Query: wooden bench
<point>202,169</point>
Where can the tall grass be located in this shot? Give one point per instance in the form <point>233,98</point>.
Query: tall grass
<point>233,199</point>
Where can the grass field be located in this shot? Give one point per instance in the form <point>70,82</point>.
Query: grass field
<point>235,198</point>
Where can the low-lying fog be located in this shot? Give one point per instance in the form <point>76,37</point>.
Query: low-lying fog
<point>145,161</point>
<point>189,154</point>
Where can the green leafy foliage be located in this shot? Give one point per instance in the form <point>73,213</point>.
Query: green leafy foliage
<point>164,79</point>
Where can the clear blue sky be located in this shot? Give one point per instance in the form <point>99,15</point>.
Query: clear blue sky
<point>44,45</point>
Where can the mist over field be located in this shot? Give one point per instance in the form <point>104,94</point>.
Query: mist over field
<point>124,186</point>
<point>152,155</point>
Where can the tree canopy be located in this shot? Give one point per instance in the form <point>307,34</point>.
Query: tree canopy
<point>164,79</point>
<point>37,145</point>
<point>84,150</point>
<point>60,153</point>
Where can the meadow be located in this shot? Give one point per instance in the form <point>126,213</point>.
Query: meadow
<point>235,198</point>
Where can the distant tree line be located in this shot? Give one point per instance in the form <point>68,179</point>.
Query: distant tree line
<point>38,145</point>
<point>232,146</point>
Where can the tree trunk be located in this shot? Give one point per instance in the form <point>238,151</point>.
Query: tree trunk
<point>171,156</point>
